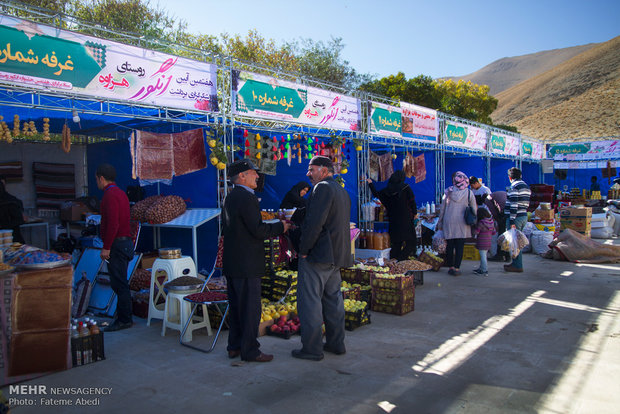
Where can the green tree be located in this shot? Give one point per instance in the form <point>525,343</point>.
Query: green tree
<point>324,61</point>
<point>466,100</point>
<point>419,90</point>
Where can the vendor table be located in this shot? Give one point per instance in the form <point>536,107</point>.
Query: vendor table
<point>191,219</point>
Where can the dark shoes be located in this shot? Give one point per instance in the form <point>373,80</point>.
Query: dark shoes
<point>234,354</point>
<point>454,272</point>
<point>117,326</point>
<point>299,353</point>
<point>260,358</point>
<point>510,268</point>
<point>480,272</point>
<point>327,348</point>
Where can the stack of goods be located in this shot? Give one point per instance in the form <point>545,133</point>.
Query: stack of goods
<point>576,218</point>
<point>158,209</point>
<point>392,293</point>
<point>613,193</point>
<point>545,213</point>
<point>6,238</point>
<point>541,193</point>
<point>351,291</point>
<point>577,196</point>
<point>280,284</point>
<point>355,314</point>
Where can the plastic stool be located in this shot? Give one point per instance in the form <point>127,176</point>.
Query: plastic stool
<point>173,268</point>
<point>177,314</point>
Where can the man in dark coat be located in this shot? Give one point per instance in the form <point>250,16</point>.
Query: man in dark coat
<point>325,247</point>
<point>244,260</point>
<point>399,201</point>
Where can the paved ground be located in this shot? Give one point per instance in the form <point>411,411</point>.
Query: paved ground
<point>547,340</point>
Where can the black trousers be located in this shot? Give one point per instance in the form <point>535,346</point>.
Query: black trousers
<point>244,316</point>
<point>454,252</point>
<point>121,253</point>
<point>402,249</point>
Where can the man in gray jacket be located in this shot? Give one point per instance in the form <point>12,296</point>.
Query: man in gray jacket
<point>325,247</point>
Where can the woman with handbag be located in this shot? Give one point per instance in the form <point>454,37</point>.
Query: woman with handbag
<point>457,205</point>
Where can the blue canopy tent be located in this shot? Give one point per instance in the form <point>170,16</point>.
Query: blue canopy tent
<point>499,173</point>
<point>470,164</point>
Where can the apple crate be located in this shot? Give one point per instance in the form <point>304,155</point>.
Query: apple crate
<point>352,293</point>
<point>394,282</point>
<point>353,320</point>
<point>435,262</point>
<point>366,293</point>
<point>392,297</point>
<point>348,274</point>
<point>399,309</point>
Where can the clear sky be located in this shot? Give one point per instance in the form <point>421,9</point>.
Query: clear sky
<point>436,38</point>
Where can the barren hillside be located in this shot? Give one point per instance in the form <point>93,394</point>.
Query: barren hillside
<point>579,98</point>
<point>510,71</point>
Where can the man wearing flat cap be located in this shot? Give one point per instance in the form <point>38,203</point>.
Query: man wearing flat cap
<point>244,260</point>
<point>325,247</point>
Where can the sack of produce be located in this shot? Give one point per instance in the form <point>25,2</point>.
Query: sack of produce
<point>540,241</point>
<point>138,210</point>
<point>165,209</point>
<point>513,241</point>
<point>439,242</point>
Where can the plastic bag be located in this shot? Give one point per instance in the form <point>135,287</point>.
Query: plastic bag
<point>513,241</point>
<point>439,242</point>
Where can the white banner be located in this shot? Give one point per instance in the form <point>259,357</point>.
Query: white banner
<point>419,123</point>
<point>85,65</point>
<point>266,97</point>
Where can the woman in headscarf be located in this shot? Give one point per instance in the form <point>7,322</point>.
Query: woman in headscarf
<point>452,220</point>
<point>399,201</point>
<point>295,196</point>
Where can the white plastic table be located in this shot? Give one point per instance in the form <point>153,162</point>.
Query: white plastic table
<point>191,219</point>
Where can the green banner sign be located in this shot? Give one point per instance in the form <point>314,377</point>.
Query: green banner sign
<point>260,95</point>
<point>385,120</point>
<point>456,133</point>
<point>582,148</point>
<point>498,142</point>
<point>47,57</point>
<point>526,148</point>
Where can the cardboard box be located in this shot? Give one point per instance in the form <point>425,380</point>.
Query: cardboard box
<point>73,211</point>
<point>545,215</point>
<point>263,326</point>
<point>579,212</point>
<point>148,259</point>
<point>579,224</point>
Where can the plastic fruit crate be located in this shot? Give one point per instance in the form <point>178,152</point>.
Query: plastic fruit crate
<point>435,262</point>
<point>393,282</point>
<point>353,320</point>
<point>400,309</point>
<point>470,252</point>
<point>393,297</point>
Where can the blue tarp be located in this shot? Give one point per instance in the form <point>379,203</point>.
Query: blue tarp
<point>468,164</point>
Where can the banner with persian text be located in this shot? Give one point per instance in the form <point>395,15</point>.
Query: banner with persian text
<point>585,151</point>
<point>505,144</point>
<point>532,149</point>
<point>465,136</point>
<point>419,123</point>
<point>385,120</point>
<point>266,97</point>
<point>44,57</point>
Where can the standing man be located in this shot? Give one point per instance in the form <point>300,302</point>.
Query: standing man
<point>517,202</point>
<point>117,244</point>
<point>244,260</point>
<point>479,190</point>
<point>325,247</point>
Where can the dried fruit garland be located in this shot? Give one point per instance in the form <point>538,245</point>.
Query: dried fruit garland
<point>66,138</point>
